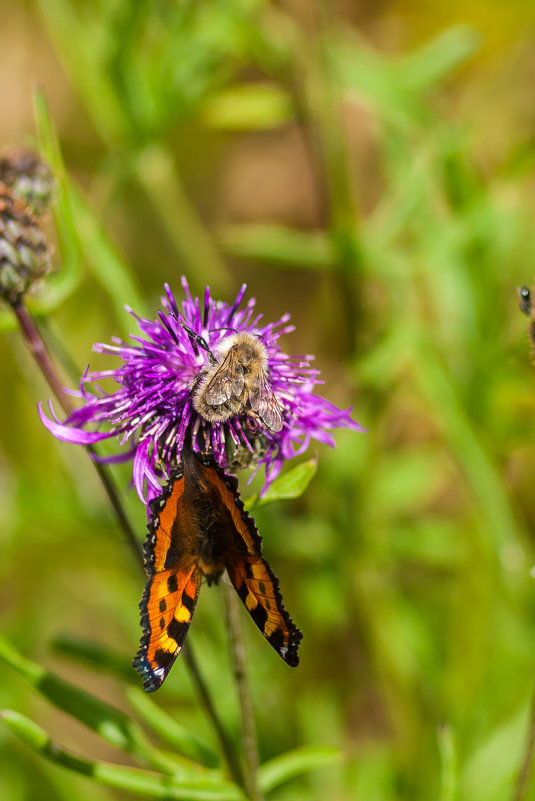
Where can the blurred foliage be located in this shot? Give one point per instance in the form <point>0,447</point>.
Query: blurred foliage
<point>368,168</point>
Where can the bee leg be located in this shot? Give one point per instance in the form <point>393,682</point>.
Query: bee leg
<point>198,340</point>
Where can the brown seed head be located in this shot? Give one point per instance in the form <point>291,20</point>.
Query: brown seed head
<point>28,177</point>
<point>24,253</point>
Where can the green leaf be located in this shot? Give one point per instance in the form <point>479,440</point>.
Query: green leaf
<point>474,458</point>
<point>102,718</point>
<point>79,229</point>
<point>83,43</point>
<point>111,271</point>
<point>61,284</point>
<point>291,484</point>
<point>170,731</point>
<point>133,780</point>
<point>302,760</point>
<point>396,87</point>
<point>279,246</point>
<point>489,773</point>
<point>429,65</point>
<point>156,171</point>
<point>96,656</point>
<point>248,107</point>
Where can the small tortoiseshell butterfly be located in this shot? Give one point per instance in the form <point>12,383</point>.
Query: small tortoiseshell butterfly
<point>198,527</point>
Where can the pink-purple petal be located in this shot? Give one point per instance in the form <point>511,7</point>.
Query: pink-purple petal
<point>152,407</point>
<point>77,436</point>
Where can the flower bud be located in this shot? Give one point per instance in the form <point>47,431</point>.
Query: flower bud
<point>28,177</point>
<point>24,253</point>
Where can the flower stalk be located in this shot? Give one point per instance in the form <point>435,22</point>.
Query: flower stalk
<point>239,663</point>
<point>522,781</point>
<point>25,191</point>
<point>36,345</point>
<point>227,749</point>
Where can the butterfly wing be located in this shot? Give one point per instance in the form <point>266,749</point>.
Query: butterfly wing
<point>177,554</point>
<point>251,575</point>
<point>171,592</point>
<point>258,588</point>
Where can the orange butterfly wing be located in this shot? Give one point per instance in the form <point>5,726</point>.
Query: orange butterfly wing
<point>199,526</point>
<point>251,575</point>
<point>171,591</point>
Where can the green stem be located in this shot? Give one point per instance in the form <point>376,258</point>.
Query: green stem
<point>36,346</point>
<point>239,662</point>
<point>315,87</point>
<point>157,173</point>
<point>327,110</point>
<point>522,782</point>
<point>224,741</point>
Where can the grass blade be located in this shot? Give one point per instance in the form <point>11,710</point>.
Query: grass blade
<point>248,107</point>
<point>294,763</point>
<point>78,229</point>
<point>65,282</point>
<point>156,172</point>
<point>171,732</point>
<point>449,772</point>
<point>102,718</point>
<point>134,780</point>
<point>96,656</point>
<point>84,51</point>
<point>279,246</point>
<point>109,269</point>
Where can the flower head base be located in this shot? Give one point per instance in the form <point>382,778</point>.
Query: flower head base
<point>154,406</point>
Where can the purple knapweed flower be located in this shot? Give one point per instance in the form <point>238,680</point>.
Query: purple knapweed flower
<point>153,407</point>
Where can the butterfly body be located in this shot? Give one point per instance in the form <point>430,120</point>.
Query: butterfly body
<point>199,528</point>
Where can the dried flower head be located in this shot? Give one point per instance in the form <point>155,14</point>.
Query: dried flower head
<point>154,407</point>
<point>24,253</point>
<point>28,177</point>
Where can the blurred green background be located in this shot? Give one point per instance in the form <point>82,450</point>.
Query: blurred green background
<point>369,168</point>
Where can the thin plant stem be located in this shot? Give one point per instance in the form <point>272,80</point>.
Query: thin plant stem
<point>318,98</point>
<point>449,774</point>
<point>36,346</point>
<point>522,782</point>
<point>38,349</point>
<point>226,745</point>
<point>239,663</point>
<point>159,177</point>
<point>325,99</point>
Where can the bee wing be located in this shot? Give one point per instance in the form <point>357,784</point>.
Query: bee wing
<point>265,404</point>
<point>227,382</point>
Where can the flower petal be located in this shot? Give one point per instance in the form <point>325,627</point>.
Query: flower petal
<point>153,408</point>
<point>75,435</point>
